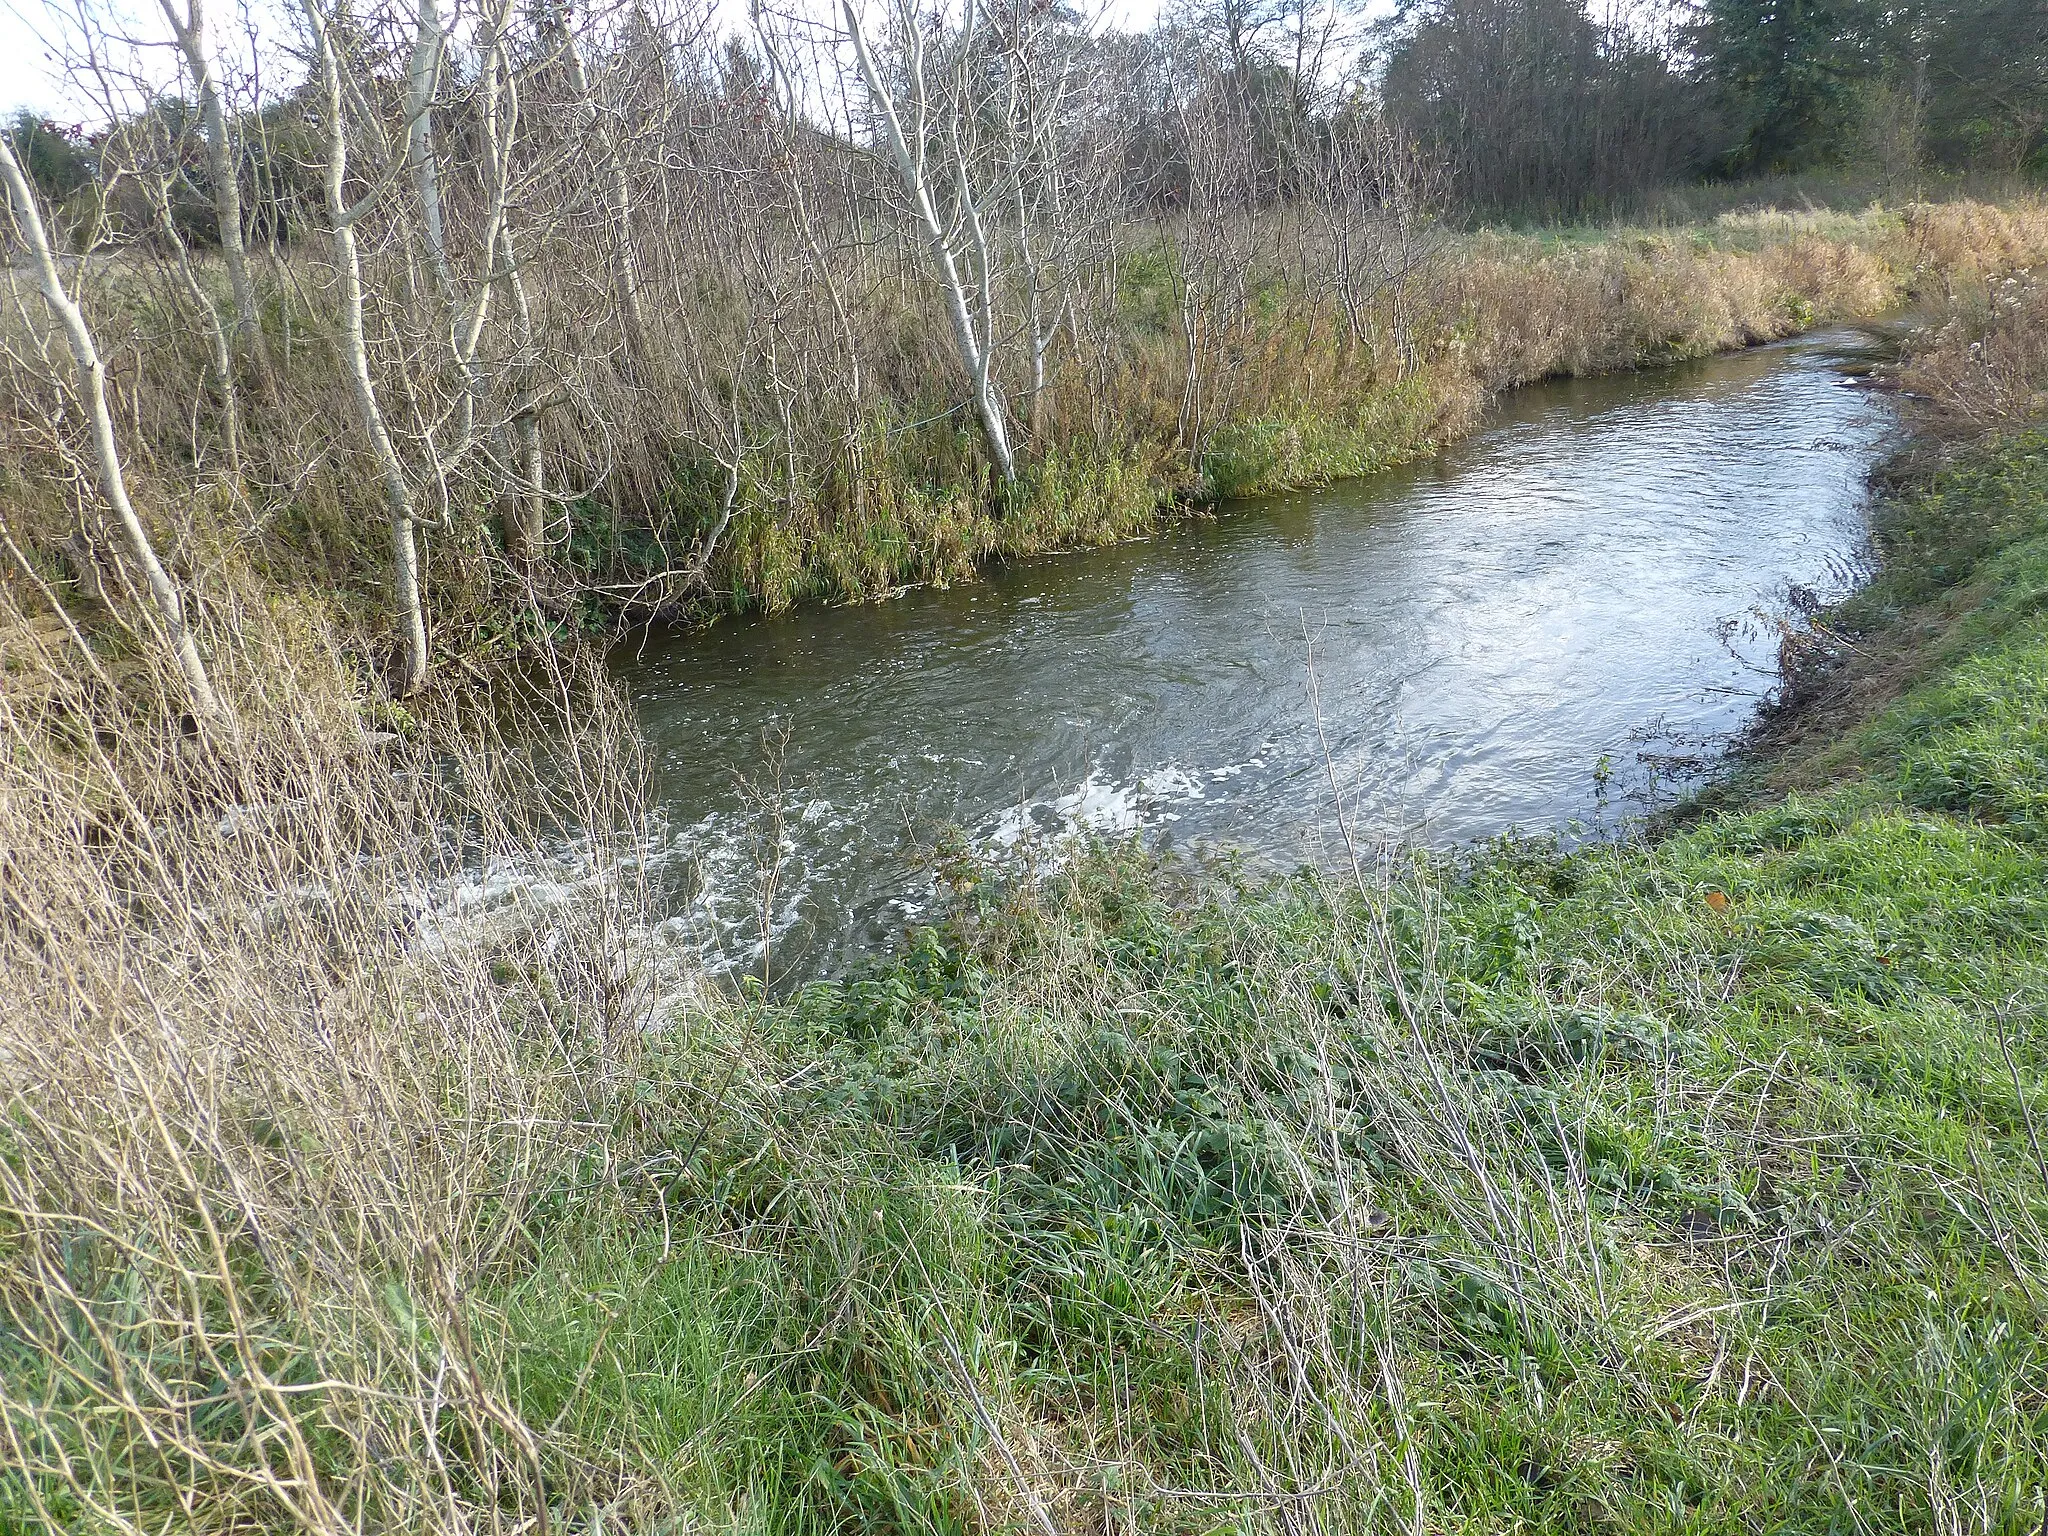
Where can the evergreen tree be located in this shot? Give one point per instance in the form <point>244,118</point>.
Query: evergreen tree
<point>1986,74</point>
<point>1789,73</point>
<point>57,163</point>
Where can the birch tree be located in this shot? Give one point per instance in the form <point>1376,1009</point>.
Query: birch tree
<point>1060,126</point>
<point>612,166</point>
<point>963,240</point>
<point>422,81</point>
<point>187,19</point>
<point>510,442</point>
<point>92,385</point>
<point>341,220</point>
<point>1374,202</point>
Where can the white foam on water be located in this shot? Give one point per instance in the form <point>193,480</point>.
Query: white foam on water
<point>723,913</point>
<point>1099,805</point>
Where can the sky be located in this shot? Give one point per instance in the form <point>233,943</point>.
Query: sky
<point>25,79</point>
<point>35,33</point>
<point>32,77</point>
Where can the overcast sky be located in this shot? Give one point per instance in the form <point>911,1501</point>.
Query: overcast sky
<point>24,75</point>
<point>31,77</point>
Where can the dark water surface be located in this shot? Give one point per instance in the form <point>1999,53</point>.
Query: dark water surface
<point>1565,614</point>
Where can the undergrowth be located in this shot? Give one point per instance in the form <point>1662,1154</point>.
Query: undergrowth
<point>1697,1184</point>
<point>1128,434</point>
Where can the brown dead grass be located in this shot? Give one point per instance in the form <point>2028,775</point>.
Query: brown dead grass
<point>276,1110</point>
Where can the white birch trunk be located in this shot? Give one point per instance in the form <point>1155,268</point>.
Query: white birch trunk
<point>423,74</point>
<point>974,357</point>
<point>526,524</point>
<point>220,163</point>
<point>92,383</point>
<point>626,267</point>
<point>405,560</point>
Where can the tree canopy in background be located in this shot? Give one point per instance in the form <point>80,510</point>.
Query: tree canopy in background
<point>1519,108</point>
<point>57,160</point>
<point>1533,107</point>
<point>1949,84</point>
<point>1542,107</point>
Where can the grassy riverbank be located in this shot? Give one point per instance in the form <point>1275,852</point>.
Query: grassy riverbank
<point>1698,1183</point>
<point>1147,430</point>
<point>1264,380</point>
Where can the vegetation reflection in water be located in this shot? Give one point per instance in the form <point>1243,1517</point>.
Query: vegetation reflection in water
<point>1533,631</point>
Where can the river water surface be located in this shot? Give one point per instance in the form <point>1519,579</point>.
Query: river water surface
<point>1563,616</point>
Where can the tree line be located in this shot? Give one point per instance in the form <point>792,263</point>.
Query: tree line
<point>539,279</point>
<point>1546,107</point>
<point>1526,107</point>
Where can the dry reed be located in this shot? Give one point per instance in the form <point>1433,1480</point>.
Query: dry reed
<point>282,1098</point>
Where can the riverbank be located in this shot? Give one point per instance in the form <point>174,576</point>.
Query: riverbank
<point>1486,626</point>
<point>1695,1183</point>
<point>1301,399</point>
<point>1276,375</point>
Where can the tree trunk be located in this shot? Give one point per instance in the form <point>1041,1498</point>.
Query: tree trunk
<point>626,268</point>
<point>220,165</point>
<point>423,74</point>
<point>526,521</point>
<point>405,560</point>
<point>973,357</point>
<point>92,383</point>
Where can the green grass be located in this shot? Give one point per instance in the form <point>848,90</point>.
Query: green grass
<point>1396,424</point>
<point>1689,1185</point>
<point>1695,1185</point>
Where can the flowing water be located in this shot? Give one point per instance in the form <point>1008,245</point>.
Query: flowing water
<point>1560,618</point>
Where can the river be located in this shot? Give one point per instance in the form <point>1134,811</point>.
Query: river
<point>1561,618</point>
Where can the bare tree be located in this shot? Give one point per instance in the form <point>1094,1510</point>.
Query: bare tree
<point>618,183</point>
<point>188,22</point>
<point>944,113</point>
<point>1052,144</point>
<point>423,74</point>
<point>1375,202</point>
<point>150,151</point>
<point>341,220</point>
<point>92,384</point>
<point>1212,250</point>
<point>160,183</point>
<point>578,254</point>
<point>792,155</point>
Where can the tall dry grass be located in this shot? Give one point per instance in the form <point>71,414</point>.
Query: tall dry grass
<point>283,1092</point>
<point>858,476</point>
<point>1641,299</point>
<point>1958,246</point>
<point>1981,366</point>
